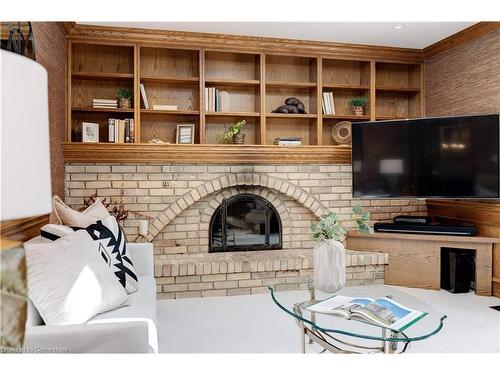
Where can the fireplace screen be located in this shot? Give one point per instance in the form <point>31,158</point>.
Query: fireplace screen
<point>245,222</point>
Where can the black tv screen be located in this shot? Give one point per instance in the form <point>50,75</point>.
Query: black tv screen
<point>452,157</point>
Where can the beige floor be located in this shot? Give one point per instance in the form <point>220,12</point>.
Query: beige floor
<point>253,324</point>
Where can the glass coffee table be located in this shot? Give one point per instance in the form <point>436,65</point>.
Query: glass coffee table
<point>340,335</point>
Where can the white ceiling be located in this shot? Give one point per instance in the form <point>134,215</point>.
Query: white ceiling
<point>411,35</point>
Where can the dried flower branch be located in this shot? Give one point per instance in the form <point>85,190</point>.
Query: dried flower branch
<point>118,210</point>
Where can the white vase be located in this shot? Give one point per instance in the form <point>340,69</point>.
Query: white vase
<point>329,266</point>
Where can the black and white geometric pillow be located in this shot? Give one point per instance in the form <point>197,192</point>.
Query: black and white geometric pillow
<point>111,244</point>
<point>113,249</point>
<point>52,232</point>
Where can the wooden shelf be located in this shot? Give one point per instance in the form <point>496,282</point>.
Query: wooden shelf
<point>232,114</point>
<point>398,90</point>
<point>347,117</point>
<point>102,76</point>
<point>292,115</point>
<point>232,82</point>
<point>167,79</point>
<point>346,87</point>
<point>377,118</point>
<point>256,82</point>
<point>173,113</point>
<point>228,154</point>
<point>113,110</point>
<point>290,84</point>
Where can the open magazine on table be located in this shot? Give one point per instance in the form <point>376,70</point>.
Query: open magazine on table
<point>383,312</point>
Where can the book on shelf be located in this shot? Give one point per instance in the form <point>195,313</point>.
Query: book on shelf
<point>328,103</point>
<point>132,130</point>
<point>111,130</point>
<point>144,96</point>
<point>383,312</point>
<point>206,98</point>
<point>288,141</point>
<point>104,103</point>
<point>213,99</point>
<point>121,131</point>
<point>164,107</point>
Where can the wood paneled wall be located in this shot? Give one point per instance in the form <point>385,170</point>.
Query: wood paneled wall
<point>464,79</point>
<point>50,45</point>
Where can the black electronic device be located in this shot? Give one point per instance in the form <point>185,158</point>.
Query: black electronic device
<point>450,157</point>
<point>402,219</point>
<point>432,228</point>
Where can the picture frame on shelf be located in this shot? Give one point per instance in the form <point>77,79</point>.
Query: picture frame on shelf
<point>185,134</point>
<point>90,132</point>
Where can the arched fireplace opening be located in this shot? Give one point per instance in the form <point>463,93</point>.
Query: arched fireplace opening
<point>245,222</point>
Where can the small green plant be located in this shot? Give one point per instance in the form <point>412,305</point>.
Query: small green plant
<point>358,101</point>
<point>234,129</point>
<point>123,93</point>
<point>330,228</point>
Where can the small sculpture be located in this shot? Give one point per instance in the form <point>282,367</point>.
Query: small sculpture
<point>292,105</point>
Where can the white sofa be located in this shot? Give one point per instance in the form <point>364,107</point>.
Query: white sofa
<point>128,329</point>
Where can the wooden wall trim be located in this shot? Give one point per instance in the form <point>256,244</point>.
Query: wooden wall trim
<point>209,154</point>
<point>23,229</point>
<point>184,39</point>
<point>67,26</point>
<point>477,212</point>
<point>475,31</point>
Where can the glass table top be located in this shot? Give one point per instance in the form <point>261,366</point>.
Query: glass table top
<point>424,328</point>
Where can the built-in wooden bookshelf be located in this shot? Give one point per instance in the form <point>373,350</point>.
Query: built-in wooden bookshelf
<point>256,83</point>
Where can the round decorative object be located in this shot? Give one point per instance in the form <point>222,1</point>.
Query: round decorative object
<point>297,103</point>
<point>329,266</point>
<point>341,132</point>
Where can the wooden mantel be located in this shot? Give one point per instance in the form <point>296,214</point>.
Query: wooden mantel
<point>211,154</point>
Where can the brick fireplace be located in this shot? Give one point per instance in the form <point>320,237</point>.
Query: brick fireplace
<point>185,201</point>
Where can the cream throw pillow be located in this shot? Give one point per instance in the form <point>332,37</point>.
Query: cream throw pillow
<point>68,282</point>
<point>62,214</point>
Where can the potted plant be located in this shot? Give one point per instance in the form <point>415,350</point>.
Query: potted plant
<point>329,253</point>
<point>233,133</point>
<point>124,98</point>
<point>357,104</point>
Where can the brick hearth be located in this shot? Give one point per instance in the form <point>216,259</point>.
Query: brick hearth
<point>221,274</point>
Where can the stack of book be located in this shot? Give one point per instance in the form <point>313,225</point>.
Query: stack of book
<point>121,131</point>
<point>288,141</point>
<point>328,103</point>
<point>164,107</point>
<point>104,103</point>
<point>212,102</point>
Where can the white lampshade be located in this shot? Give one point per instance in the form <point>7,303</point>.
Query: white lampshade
<point>24,134</point>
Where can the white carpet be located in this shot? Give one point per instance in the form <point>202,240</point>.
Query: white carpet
<point>254,324</point>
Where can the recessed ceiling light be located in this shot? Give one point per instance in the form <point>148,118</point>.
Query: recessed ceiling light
<point>397,27</point>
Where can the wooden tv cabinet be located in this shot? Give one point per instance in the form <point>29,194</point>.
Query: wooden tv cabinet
<point>484,214</point>
<point>414,259</point>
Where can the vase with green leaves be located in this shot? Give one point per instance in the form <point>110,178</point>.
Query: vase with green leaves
<point>358,103</point>
<point>329,252</point>
<point>234,133</point>
<point>124,96</point>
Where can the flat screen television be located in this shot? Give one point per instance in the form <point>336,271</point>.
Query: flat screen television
<point>450,157</point>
